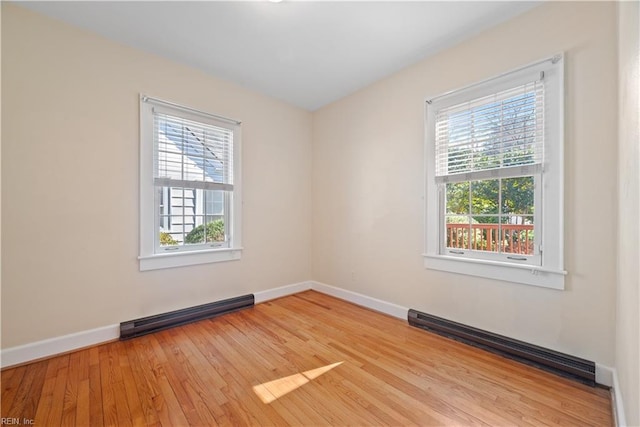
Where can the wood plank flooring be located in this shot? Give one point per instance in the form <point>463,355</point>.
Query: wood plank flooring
<point>306,359</point>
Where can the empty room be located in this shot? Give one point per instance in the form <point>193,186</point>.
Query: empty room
<point>320,213</point>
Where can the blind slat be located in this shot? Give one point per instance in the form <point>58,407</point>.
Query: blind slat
<point>498,131</point>
<point>505,172</point>
<point>181,183</point>
<point>189,151</point>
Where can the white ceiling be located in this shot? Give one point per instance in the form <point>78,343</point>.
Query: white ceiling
<point>305,53</point>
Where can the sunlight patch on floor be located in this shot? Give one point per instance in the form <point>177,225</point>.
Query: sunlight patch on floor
<point>272,390</point>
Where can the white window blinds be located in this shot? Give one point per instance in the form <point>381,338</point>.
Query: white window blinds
<point>504,130</point>
<point>191,154</point>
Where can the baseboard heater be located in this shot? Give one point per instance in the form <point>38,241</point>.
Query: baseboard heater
<point>159,322</point>
<point>549,360</point>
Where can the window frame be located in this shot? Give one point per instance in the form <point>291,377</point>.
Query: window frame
<point>152,256</point>
<point>549,271</point>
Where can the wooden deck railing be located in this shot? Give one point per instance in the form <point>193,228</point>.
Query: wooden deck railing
<point>515,239</point>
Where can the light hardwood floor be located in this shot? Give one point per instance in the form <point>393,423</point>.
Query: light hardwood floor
<point>306,359</point>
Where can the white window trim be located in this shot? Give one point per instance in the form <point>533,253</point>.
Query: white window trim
<point>550,273</point>
<point>148,258</point>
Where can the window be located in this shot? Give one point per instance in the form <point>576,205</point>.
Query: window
<point>495,179</point>
<point>190,197</point>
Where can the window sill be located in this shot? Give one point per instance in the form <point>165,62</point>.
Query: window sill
<point>182,259</point>
<point>516,273</point>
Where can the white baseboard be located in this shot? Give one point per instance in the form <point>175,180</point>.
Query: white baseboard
<point>616,402</point>
<point>58,345</point>
<point>66,343</point>
<point>608,376</point>
<point>363,300</point>
<point>50,347</point>
<point>282,291</point>
<point>353,297</point>
<point>604,375</point>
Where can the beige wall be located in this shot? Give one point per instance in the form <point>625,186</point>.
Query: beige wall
<point>628,303</point>
<point>368,183</point>
<point>70,174</point>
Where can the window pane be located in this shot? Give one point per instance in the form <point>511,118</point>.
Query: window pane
<point>517,234</point>
<point>214,211</point>
<point>207,230</point>
<point>484,233</point>
<point>215,231</point>
<point>498,217</point>
<point>485,196</point>
<point>214,203</point>
<point>187,216</point>
<point>517,195</point>
<point>195,233</point>
<point>458,231</point>
<point>167,239</point>
<point>458,198</point>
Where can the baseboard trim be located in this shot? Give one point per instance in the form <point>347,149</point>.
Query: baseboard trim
<point>617,404</point>
<point>604,375</point>
<point>64,344</point>
<point>53,346</point>
<point>363,300</point>
<point>282,291</point>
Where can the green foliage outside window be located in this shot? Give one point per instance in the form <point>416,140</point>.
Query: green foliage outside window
<point>167,240</point>
<point>214,229</point>
<point>517,198</point>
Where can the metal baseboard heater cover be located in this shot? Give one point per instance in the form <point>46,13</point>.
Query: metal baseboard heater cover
<point>159,322</point>
<point>540,357</point>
